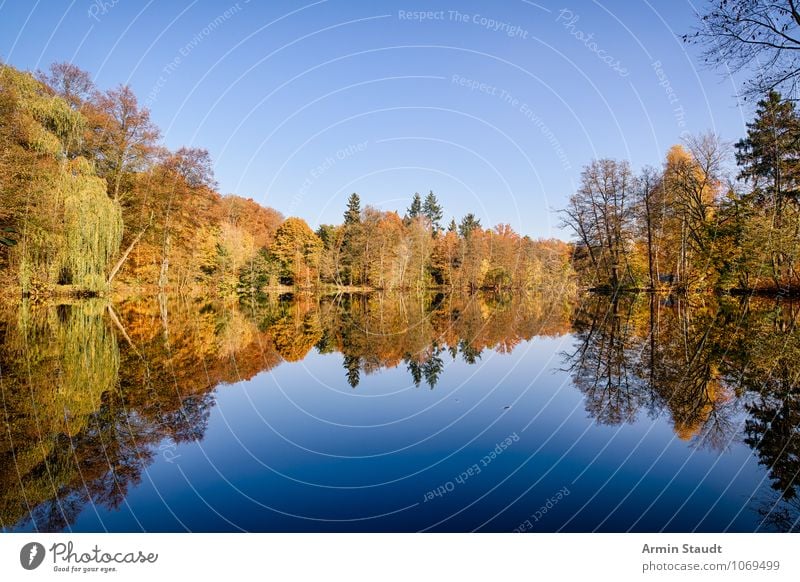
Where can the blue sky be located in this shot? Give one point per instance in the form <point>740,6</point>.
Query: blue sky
<point>495,106</point>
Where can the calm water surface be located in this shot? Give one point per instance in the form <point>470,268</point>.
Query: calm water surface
<point>401,413</point>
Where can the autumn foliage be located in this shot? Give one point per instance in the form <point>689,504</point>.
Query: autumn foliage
<point>96,204</point>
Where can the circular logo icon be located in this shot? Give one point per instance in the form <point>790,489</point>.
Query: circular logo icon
<point>31,555</point>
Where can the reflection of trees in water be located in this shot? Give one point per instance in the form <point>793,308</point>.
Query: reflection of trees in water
<point>91,391</point>
<point>697,361</point>
<point>57,364</point>
<point>658,354</point>
<point>85,411</point>
<point>778,512</point>
<point>377,331</point>
<point>602,364</point>
<point>773,429</point>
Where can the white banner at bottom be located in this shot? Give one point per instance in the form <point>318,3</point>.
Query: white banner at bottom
<point>355,557</point>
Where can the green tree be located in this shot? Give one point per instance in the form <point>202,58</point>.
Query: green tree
<point>468,224</point>
<point>350,270</point>
<point>415,210</point>
<point>769,162</point>
<point>327,234</point>
<point>769,157</point>
<point>432,210</point>
<point>353,213</point>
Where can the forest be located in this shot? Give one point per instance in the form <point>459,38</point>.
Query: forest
<point>93,203</point>
<point>693,225</point>
<point>699,223</point>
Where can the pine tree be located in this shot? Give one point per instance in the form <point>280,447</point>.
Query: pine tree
<point>353,213</point>
<point>433,368</point>
<point>452,227</point>
<point>353,366</point>
<point>415,209</point>
<point>769,155</point>
<point>350,261</point>
<point>769,158</point>
<point>468,224</point>
<point>432,211</point>
<point>415,369</point>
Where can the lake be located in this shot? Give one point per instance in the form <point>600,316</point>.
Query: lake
<point>380,412</point>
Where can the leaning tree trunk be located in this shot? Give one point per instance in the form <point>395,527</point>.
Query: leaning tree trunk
<point>127,252</point>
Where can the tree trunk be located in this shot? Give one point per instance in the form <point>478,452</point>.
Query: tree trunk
<point>127,252</point>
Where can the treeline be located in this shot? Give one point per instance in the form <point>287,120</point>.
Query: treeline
<point>90,199</point>
<point>690,225</point>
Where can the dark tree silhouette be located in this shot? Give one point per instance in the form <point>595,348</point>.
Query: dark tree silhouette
<point>761,37</point>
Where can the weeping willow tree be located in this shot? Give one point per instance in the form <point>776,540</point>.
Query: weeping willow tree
<point>47,122</point>
<point>92,228</point>
<point>70,233</point>
<point>69,230</point>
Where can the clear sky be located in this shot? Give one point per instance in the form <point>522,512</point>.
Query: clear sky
<point>493,105</point>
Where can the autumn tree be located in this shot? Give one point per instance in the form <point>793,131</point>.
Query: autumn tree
<point>162,225</point>
<point>69,82</point>
<point>649,202</point>
<point>473,260</point>
<point>692,182</point>
<point>446,258</point>
<point>600,213</point>
<point>298,249</point>
<point>331,237</point>
<point>383,254</point>
<point>417,250</point>
<point>67,233</point>
<point>194,165</point>
<point>121,137</point>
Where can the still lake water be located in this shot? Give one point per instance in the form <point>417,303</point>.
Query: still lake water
<point>401,413</point>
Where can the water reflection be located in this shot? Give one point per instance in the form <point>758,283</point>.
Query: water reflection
<point>93,392</point>
<point>700,361</point>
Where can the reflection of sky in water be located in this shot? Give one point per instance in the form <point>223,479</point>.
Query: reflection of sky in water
<point>296,448</point>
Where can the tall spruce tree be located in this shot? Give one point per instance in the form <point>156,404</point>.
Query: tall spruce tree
<point>353,213</point>
<point>769,156</point>
<point>468,224</point>
<point>432,210</point>
<point>351,269</point>
<point>415,210</point>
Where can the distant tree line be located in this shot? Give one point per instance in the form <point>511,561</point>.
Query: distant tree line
<point>379,249</point>
<point>90,200</point>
